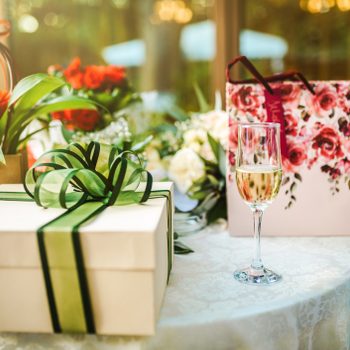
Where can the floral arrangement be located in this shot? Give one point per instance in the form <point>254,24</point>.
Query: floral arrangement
<point>31,100</point>
<point>317,127</point>
<point>193,156</point>
<point>108,86</point>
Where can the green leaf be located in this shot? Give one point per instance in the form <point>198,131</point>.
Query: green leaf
<point>67,134</point>
<point>213,180</point>
<point>165,128</point>
<point>56,104</point>
<point>203,104</point>
<point>180,248</point>
<point>27,85</point>
<point>219,210</point>
<point>214,146</point>
<point>141,145</point>
<point>200,195</point>
<point>177,113</point>
<point>222,160</point>
<point>3,122</point>
<point>2,157</point>
<point>64,102</point>
<point>26,95</point>
<point>207,204</point>
<point>27,137</point>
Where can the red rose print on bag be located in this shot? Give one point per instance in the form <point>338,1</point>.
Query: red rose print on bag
<point>246,101</point>
<point>290,93</point>
<point>290,124</point>
<point>324,101</point>
<point>327,143</point>
<point>316,123</point>
<point>316,120</point>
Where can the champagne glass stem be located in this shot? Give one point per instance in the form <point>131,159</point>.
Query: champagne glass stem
<point>257,262</point>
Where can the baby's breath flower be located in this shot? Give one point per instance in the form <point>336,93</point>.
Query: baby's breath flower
<point>111,134</point>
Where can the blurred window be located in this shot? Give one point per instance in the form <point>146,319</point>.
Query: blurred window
<point>311,36</point>
<point>167,45</point>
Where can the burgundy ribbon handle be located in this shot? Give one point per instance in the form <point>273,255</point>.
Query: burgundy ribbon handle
<point>244,60</point>
<point>293,75</point>
<point>301,77</point>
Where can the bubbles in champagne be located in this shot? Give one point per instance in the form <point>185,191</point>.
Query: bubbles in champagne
<point>258,185</point>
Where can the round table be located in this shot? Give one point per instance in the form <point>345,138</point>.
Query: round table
<point>205,308</point>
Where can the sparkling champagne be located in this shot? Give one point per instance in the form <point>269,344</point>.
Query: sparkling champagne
<point>258,185</point>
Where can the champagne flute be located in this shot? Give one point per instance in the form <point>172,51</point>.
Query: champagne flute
<point>258,177</point>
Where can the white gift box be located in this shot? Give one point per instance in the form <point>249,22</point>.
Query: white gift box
<point>125,252</point>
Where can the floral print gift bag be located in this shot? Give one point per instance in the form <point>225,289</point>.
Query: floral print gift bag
<point>314,198</point>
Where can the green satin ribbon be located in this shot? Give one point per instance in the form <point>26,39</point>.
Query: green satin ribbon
<point>84,179</point>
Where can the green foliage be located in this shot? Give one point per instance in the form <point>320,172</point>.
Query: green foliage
<point>181,249</point>
<point>214,146</point>
<point>29,101</point>
<point>203,104</point>
<point>177,113</point>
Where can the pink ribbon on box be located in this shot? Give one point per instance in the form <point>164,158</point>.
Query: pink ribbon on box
<point>275,113</point>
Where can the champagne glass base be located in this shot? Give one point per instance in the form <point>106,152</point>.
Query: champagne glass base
<point>263,277</point>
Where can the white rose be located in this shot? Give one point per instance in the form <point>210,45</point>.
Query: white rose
<point>216,123</point>
<point>153,159</point>
<point>185,168</point>
<point>197,140</point>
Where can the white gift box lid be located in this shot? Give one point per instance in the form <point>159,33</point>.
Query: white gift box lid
<point>121,237</point>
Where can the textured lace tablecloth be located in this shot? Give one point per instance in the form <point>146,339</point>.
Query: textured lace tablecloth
<point>205,308</point>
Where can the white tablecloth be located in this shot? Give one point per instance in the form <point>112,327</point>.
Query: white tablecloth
<point>205,308</point>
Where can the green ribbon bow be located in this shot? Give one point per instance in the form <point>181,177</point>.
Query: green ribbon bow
<point>80,173</point>
<point>85,179</point>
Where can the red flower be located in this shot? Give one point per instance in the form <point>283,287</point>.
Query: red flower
<point>94,77</point>
<point>86,119</point>
<point>290,124</point>
<point>74,74</point>
<point>324,100</point>
<point>245,100</point>
<point>327,142</point>
<point>82,119</point>
<point>61,115</point>
<point>65,117</point>
<point>4,100</point>
<point>115,75</point>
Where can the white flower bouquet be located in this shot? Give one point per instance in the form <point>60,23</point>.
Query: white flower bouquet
<point>192,154</point>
